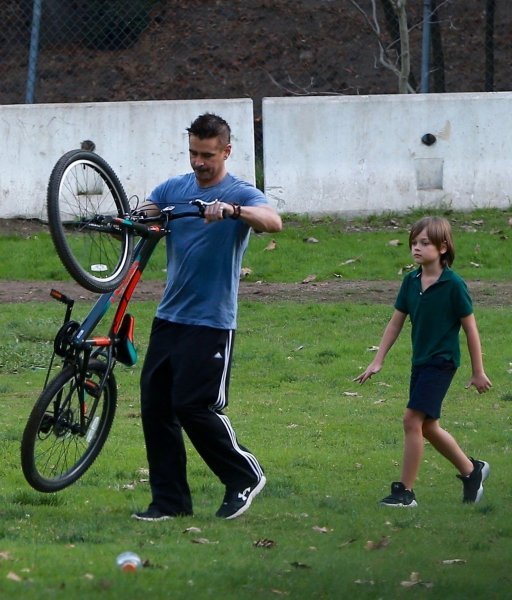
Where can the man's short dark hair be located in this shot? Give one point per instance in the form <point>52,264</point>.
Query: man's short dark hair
<point>210,126</point>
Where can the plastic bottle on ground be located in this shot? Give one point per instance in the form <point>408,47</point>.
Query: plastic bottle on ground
<point>129,561</point>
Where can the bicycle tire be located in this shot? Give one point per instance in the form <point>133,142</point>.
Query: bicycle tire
<point>83,189</point>
<point>54,454</point>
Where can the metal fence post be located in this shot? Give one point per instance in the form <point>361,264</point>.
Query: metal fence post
<point>33,51</point>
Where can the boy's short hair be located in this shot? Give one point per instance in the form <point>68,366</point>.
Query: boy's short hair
<point>208,126</point>
<point>439,232</point>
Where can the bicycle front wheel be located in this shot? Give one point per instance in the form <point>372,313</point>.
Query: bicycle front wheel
<point>63,435</point>
<point>82,191</point>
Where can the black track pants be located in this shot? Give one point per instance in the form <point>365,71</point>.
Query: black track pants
<point>184,384</point>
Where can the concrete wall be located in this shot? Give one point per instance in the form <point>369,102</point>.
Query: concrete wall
<point>343,154</point>
<point>144,142</point>
<point>364,154</point>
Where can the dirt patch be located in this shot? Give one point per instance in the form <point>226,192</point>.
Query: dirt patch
<point>486,294</point>
<point>370,292</point>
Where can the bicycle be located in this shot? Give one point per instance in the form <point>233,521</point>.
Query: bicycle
<point>93,231</point>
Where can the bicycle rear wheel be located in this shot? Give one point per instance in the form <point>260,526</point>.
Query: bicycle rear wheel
<point>55,450</point>
<point>82,191</point>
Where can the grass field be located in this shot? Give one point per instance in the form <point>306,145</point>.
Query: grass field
<point>328,248</point>
<point>330,449</point>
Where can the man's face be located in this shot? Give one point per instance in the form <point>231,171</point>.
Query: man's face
<point>207,159</point>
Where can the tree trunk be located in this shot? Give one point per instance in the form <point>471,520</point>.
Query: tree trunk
<point>405,54</point>
<point>393,28</point>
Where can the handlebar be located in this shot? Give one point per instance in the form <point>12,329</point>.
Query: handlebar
<point>149,226</point>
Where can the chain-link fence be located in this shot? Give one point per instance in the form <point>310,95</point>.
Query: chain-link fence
<point>114,50</point>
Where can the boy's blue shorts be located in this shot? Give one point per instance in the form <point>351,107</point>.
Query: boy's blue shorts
<point>429,384</point>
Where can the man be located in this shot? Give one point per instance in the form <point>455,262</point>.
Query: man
<point>185,377</point>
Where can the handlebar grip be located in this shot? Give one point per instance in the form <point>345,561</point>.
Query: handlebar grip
<point>141,228</point>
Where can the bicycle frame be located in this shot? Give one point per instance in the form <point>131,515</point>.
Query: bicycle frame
<point>76,342</point>
<point>72,417</point>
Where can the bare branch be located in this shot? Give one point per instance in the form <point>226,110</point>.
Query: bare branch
<point>297,90</point>
<point>384,58</point>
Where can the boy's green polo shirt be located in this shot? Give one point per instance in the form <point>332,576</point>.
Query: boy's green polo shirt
<point>435,315</point>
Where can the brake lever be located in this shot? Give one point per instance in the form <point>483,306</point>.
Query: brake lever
<point>201,205</point>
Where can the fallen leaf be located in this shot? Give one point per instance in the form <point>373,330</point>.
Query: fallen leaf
<point>202,541</point>
<point>13,577</point>
<point>271,245</point>
<point>311,240</point>
<point>244,272</point>
<point>349,261</point>
<point>348,542</point>
<point>264,543</point>
<point>406,268</point>
<point>320,529</point>
<point>454,561</point>
<point>309,279</point>
<point>350,394</point>
<point>382,543</point>
<point>474,264</point>
<point>394,243</point>
<point>372,348</point>
<point>5,556</point>
<point>192,530</point>
<point>414,579</point>
<point>381,401</point>
<point>364,582</point>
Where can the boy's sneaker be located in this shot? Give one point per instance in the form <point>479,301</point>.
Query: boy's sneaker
<point>399,497</point>
<point>236,502</point>
<point>151,514</point>
<point>474,483</point>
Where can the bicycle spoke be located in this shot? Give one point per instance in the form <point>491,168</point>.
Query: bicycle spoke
<point>82,192</point>
<point>55,449</point>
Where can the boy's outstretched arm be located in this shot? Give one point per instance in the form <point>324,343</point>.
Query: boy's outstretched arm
<point>389,337</point>
<point>478,377</point>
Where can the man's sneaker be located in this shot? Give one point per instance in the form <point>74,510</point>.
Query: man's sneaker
<point>236,502</point>
<point>474,483</point>
<point>151,514</point>
<point>399,497</point>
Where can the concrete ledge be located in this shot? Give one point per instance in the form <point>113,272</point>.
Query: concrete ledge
<point>144,142</point>
<point>371,154</point>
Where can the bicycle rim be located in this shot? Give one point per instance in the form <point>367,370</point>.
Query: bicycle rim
<point>55,452</point>
<point>82,190</point>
